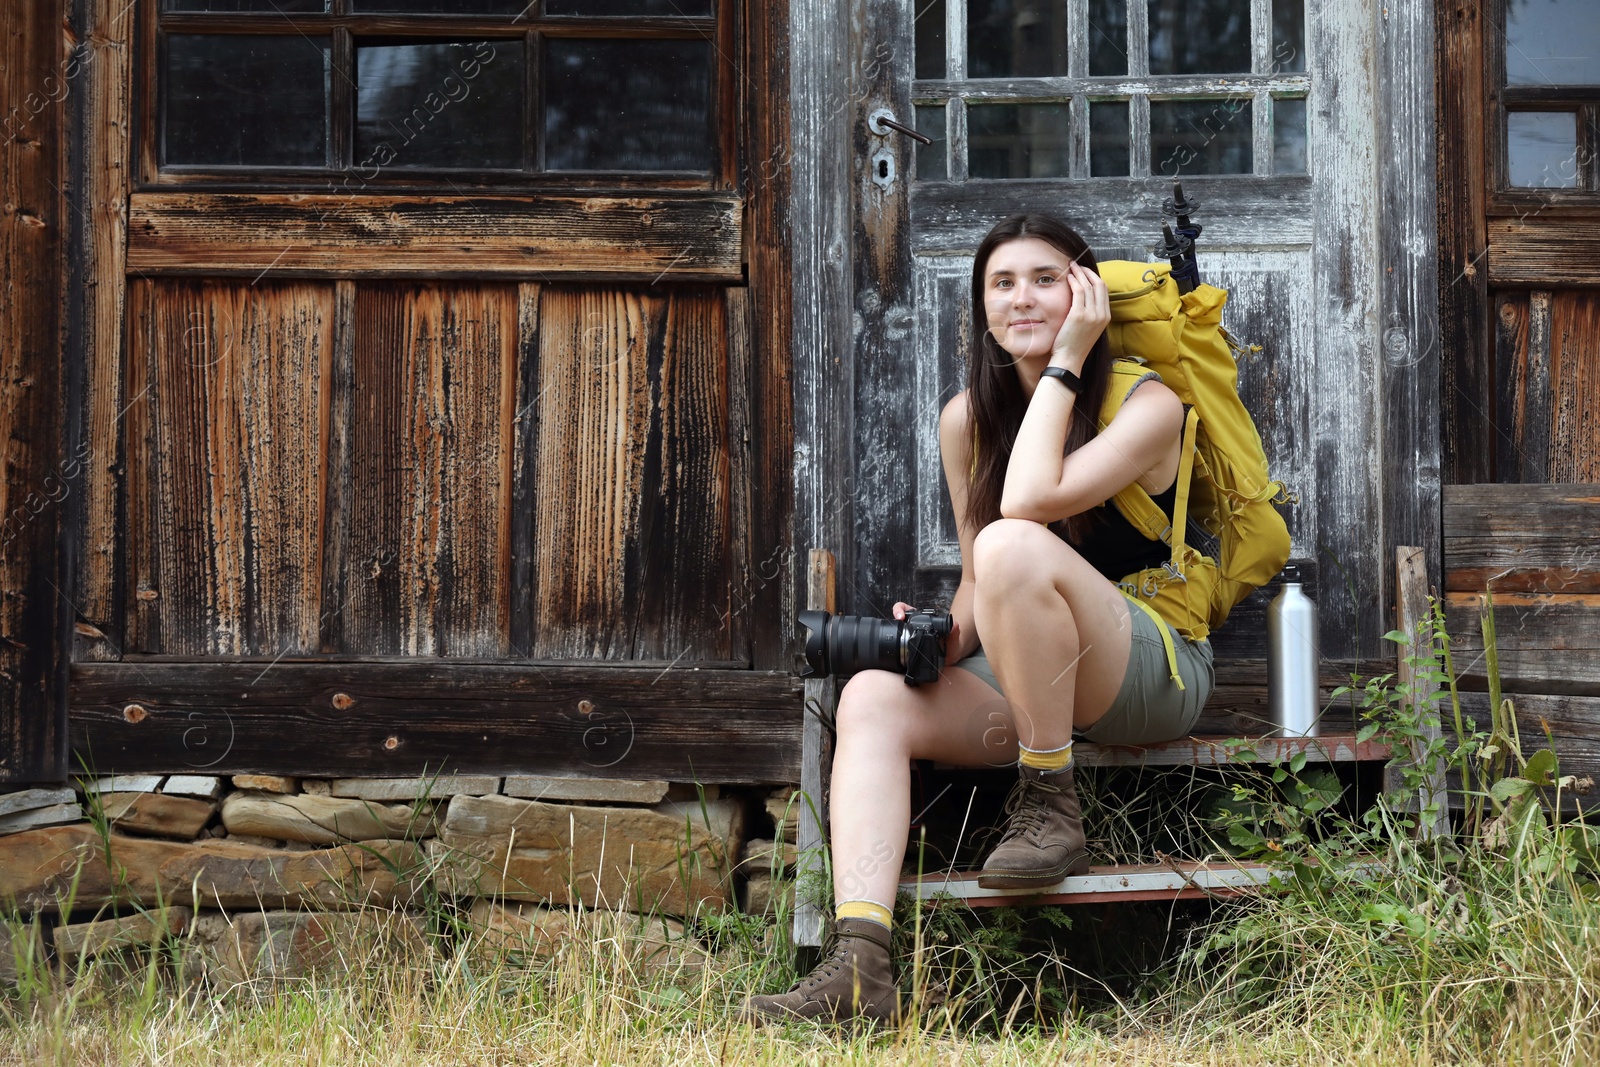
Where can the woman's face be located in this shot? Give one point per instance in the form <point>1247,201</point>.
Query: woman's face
<point>1026,296</point>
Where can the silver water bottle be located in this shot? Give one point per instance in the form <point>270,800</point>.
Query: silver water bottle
<point>1292,659</point>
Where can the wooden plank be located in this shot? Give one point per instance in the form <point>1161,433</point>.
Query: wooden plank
<point>106,72</point>
<point>1543,249</point>
<point>1572,722</point>
<point>1347,259</point>
<point>428,569</point>
<point>949,218</point>
<point>1178,880</point>
<point>340,395</point>
<point>36,478</point>
<point>394,718</point>
<point>1548,643</point>
<point>1522,538</point>
<point>821,254</point>
<point>1574,432</point>
<point>816,759</point>
<point>1408,300</point>
<point>738,345</point>
<point>524,459</point>
<point>227,460</point>
<point>633,547</point>
<point>882,483</point>
<point>1522,376</point>
<point>535,238</point>
<point>771,447</point>
<point>1412,618</point>
<point>1463,276</point>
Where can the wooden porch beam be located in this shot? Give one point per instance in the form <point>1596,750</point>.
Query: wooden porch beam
<point>370,719</point>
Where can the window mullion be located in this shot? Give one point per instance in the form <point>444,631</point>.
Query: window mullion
<point>1138,39</point>
<point>533,104</point>
<point>955,41</point>
<point>1138,103</point>
<point>342,100</point>
<point>1261,132</point>
<point>956,134</point>
<point>1261,38</point>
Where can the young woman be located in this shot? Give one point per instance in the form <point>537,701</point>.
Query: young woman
<point>1061,650</point>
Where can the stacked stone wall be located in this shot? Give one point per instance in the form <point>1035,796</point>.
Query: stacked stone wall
<point>265,875</point>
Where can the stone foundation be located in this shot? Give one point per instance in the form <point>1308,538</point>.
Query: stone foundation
<point>264,876</point>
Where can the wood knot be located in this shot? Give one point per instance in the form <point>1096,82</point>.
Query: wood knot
<point>391,742</point>
<point>135,713</point>
<point>146,593</point>
<point>585,707</point>
<point>343,701</point>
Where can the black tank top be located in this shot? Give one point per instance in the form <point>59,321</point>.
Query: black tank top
<point>1114,546</point>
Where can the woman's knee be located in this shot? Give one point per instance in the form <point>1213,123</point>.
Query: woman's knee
<point>874,702</point>
<point>1005,554</point>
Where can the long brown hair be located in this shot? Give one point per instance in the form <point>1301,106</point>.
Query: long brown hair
<point>994,391</point>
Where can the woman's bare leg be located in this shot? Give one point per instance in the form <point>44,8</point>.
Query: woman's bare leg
<point>883,724</point>
<point>1056,632</point>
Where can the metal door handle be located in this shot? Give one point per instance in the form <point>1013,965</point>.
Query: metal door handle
<point>882,121</point>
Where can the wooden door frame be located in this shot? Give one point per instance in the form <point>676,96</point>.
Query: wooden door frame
<point>711,725</point>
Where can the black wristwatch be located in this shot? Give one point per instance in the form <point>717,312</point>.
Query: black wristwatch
<point>1070,380</point>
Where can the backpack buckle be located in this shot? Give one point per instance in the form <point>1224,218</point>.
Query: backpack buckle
<point>1166,535</point>
<point>1176,574</point>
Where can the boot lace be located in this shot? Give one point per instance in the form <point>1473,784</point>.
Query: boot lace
<point>825,970</point>
<point>1026,807</point>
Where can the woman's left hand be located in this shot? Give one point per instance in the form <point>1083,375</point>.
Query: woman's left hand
<point>1086,320</point>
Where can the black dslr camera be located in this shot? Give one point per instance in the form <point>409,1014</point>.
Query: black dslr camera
<point>845,644</point>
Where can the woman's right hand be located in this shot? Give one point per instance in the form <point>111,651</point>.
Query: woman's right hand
<point>901,607</point>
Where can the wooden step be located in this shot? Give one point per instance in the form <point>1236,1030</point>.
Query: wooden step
<point>1213,751</point>
<point>1176,880</point>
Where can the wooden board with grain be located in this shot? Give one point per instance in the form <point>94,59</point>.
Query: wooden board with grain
<point>1547,642</point>
<point>404,717</point>
<point>107,155</point>
<point>427,497</point>
<point>36,479</point>
<point>696,236</point>
<point>1522,538</point>
<point>227,444</point>
<point>633,547</point>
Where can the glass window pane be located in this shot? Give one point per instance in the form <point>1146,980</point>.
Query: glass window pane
<point>441,7</point>
<point>1108,138</point>
<point>1199,36</point>
<point>235,101</point>
<point>1289,136</point>
<point>1018,140</point>
<point>929,15</point>
<point>627,104</point>
<point>931,157</point>
<point>1552,42</point>
<point>1288,54</point>
<point>1108,37</point>
<point>234,6</point>
<point>1200,136</point>
<point>1016,38</point>
<point>607,8</point>
<point>442,104</point>
<point>1542,147</point>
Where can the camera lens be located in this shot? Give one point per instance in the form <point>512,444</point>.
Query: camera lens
<point>849,644</point>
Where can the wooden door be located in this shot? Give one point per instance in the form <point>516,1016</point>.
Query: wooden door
<point>1088,109</point>
<point>1519,100</point>
<point>427,345</point>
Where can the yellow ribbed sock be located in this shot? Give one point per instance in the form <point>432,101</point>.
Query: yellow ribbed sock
<point>1048,759</point>
<point>865,909</point>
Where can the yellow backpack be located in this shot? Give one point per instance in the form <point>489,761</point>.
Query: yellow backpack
<point>1223,484</point>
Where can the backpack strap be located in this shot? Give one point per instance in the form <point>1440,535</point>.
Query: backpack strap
<point>1166,636</point>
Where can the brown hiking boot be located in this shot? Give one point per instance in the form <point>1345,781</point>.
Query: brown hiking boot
<point>1044,841</point>
<point>853,983</point>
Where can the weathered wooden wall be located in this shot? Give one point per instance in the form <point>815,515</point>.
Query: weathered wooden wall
<point>548,431</point>
<point>37,77</point>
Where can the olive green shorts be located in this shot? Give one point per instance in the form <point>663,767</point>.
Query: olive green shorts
<point>1149,707</point>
